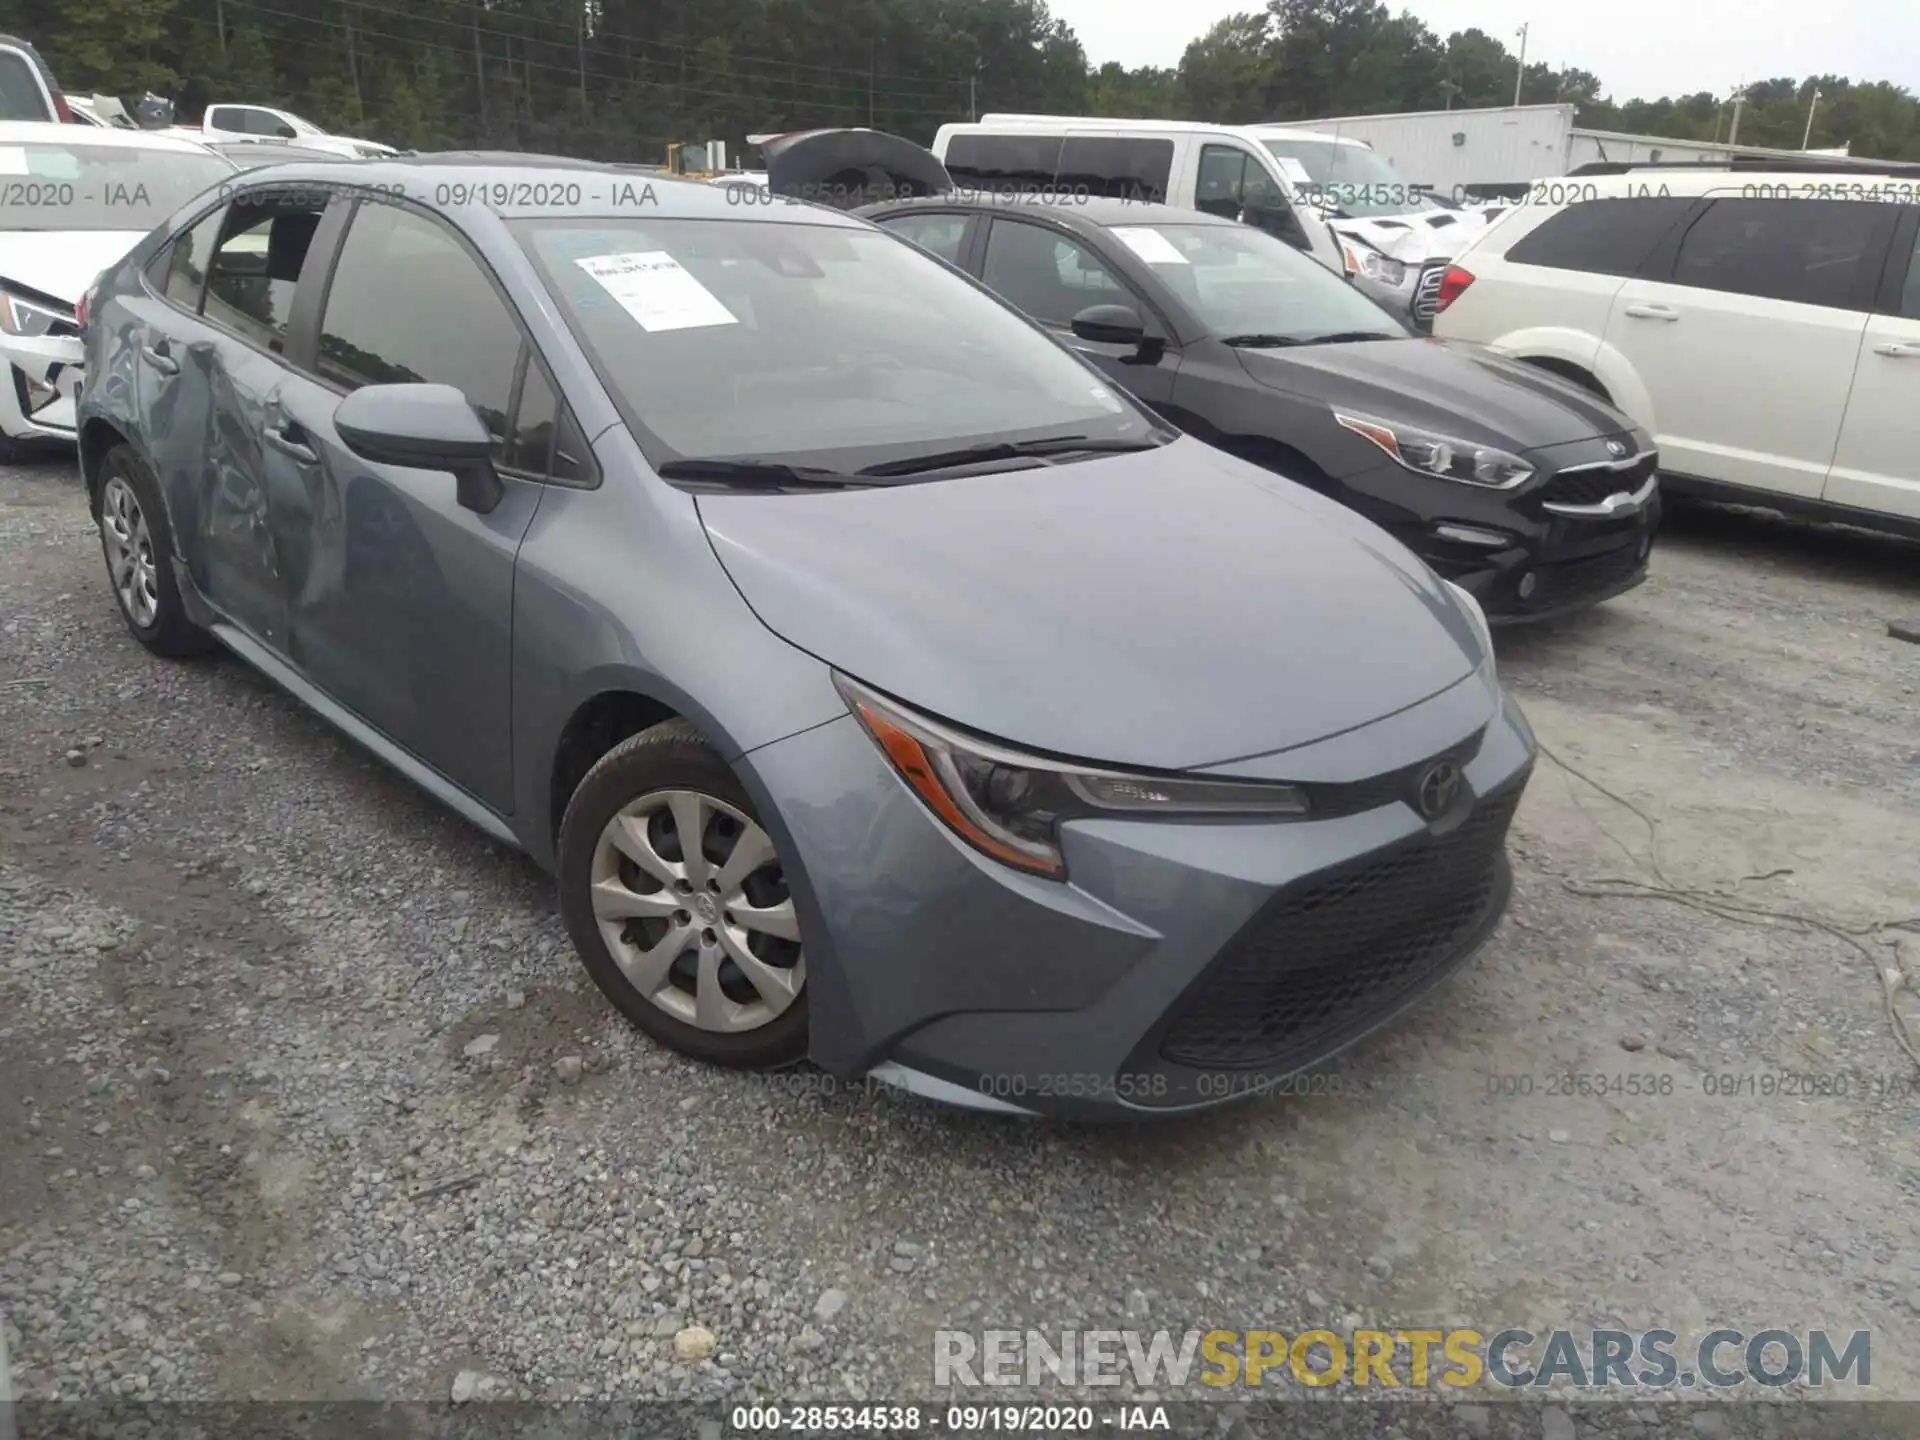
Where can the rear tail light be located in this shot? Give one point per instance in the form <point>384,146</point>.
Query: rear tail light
<point>80,311</point>
<point>1453,285</point>
<point>62,109</point>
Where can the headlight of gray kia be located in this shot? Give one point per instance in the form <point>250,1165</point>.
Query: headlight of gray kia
<point>1428,453</point>
<point>1010,805</point>
<point>1478,617</point>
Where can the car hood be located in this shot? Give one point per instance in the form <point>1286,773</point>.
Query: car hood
<point>61,263</point>
<point>1170,609</point>
<point>1465,391</point>
<point>1417,236</point>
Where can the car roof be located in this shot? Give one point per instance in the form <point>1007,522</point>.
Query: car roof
<point>1092,211</point>
<point>274,154</point>
<point>48,132</point>
<point>1095,124</point>
<point>525,187</point>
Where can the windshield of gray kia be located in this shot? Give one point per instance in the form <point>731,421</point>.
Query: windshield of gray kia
<point>1354,179</point>
<point>99,187</point>
<point>849,346</point>
<point>1249,287</point>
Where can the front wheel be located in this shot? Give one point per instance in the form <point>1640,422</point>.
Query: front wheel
<point>678,904</point>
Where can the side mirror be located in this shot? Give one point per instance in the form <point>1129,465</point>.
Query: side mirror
<point>1110,325</point>
<point>426,427</point>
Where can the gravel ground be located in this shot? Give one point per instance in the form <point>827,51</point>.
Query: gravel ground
<point>303,1095</point>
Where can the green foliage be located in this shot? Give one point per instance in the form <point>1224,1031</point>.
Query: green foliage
<point>511,73</point>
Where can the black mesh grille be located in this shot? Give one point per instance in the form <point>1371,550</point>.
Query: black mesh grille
<point>1590,487</point>
<point>1559,584</point>
<point>1321,964</point>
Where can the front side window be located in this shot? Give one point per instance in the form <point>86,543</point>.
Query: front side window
<point>1813,252</point>
<point>81,186</point>
<point>940,234</point>
<point>1221,181</point>
<point>409,304</point>
<point>1356,181</point>
<point>1241,281</point>
<point>252,274</point>
<point>1602,237</point>
<point>813,344</point>
<point>1049,275</point>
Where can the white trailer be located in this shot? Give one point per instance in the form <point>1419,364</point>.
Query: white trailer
<point>1462,152</point>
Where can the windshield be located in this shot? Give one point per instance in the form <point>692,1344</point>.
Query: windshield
<point>808,344</point>
<point>99,187</point>
<point>1243,281</point>
<point>1358,181</point>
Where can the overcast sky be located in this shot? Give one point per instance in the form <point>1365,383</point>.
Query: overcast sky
<point>1638,48</point>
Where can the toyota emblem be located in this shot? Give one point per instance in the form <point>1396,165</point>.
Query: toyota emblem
<point>1438,789</point>
<point>1614,447</point>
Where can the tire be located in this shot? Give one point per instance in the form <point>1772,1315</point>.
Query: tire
<point>670,951</point>
<point>137,544</point>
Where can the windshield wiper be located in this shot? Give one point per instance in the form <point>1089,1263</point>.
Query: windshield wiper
<point>1340,337</point>
<point>1260,342</point>
<point>759,474</point>
<point>1007,450</point>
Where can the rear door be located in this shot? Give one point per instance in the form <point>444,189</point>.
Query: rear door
<point>211,356</point>
<point>1876,465</point>
<point>1744,330</point>
<point>401,598</point>
<point>1053,276</point>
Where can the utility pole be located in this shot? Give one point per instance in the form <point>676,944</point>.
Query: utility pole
<point>479,69</point>
<point>582,38</point>
<point>220,24</point>
<point>973,93</point>
<point>1806,138</point>
<point>353,66</point>
<point>1520,69</point>
<point>1739,100</point>
<point>873,65</point>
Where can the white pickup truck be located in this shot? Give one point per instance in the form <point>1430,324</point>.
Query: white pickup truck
<point>262,122</point>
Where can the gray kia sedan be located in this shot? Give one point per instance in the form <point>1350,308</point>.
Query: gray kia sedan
<point>879,683</point>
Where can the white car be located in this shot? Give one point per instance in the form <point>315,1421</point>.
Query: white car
<point>1763,326</point>
<point>73,199</point>
<point>263,122</point>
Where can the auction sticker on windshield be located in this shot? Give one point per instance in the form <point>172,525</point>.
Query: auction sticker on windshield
<point>1294,171</point>
<point>657,290</point>
<point>1150,245</point>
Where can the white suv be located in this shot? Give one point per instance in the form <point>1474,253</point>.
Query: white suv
<point>1763,326</point>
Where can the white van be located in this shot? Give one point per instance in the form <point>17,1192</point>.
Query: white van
<point>1330,195</point>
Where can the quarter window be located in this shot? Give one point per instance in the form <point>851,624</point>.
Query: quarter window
<point>1812,252</point>
<point>1602,237</point>
<point>185,277</point>
<point>1046,274</point>
<point>941,234</point>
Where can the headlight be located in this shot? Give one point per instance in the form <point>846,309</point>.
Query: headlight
<point>19,316</point>
<point>1477,616</point>
<point>1373,265</point>
<point>1432,454</point>
<point>1010,806</point>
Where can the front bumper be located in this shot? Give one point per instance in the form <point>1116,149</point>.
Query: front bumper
<point>1182,965</point>
<point>39,386</point>
<point>1569,539</point>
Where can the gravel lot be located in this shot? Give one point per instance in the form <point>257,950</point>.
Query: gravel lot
<point>302,1093</point>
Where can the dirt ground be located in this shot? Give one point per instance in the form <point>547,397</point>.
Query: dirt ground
<point>257,1143</point>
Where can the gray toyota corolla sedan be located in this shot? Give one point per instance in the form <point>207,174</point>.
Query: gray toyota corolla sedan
<point>880,685</point>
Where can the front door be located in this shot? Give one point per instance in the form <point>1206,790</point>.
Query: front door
<point>402,599</point>
<point>1052,277</point>
<point>1747,341</point>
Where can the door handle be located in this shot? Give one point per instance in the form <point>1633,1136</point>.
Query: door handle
<point>281,438</point>
<point>159,359</point>
<point>1652,312</point>
<point>1895,350</point>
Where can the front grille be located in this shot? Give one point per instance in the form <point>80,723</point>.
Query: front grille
<point>1590,487</point>
<point>1321,964</point>
<point>1559,584</point>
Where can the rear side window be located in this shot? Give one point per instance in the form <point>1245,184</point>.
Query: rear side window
<point>1120,167</point>
<point>941,234</point>
<point>1812,252</point>
<point>1023,164</point>
<point>186,274</point>
<point>1046,274</point>
<point>1602,237</point>
<point>21,97</point>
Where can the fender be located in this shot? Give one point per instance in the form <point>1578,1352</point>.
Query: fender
<point>1603,361</point>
